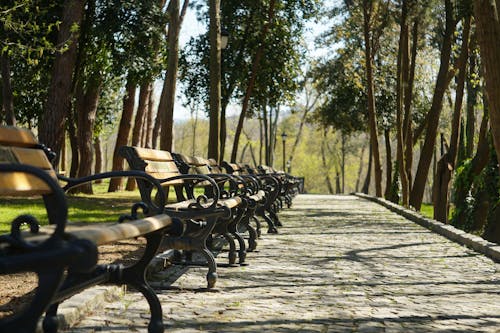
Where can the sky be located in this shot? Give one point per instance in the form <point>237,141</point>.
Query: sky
<point>191,27</point>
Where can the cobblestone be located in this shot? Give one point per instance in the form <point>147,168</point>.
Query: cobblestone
<point>339,264</point>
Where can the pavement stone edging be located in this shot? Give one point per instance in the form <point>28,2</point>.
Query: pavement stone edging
<point>490,249</point>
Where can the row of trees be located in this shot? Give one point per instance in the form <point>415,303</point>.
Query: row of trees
<point>67,65</point>
<point>378,81</point>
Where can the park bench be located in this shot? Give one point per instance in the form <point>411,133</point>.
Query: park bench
<point>231,187</point>
<point>205,213</point>
<point>256,197</point>
<point>289,184</point>
<point>64,255</point>
<point>269,184</point>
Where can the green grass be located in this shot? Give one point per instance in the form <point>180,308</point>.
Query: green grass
<point>427,210</point>
<point>99,207</point>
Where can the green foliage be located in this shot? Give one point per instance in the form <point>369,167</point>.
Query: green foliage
<point>344,106</point>
<point>28,29</point>
<point>276,80</point>
<point>480,189</point>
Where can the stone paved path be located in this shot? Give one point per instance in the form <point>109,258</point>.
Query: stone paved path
<point>339,264</point>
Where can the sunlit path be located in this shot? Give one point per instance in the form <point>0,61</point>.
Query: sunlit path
<point>339,264</point>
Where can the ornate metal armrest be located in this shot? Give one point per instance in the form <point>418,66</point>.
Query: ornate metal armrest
<point>195,179</point>
<point>156,205</point>
<point>234,182</point>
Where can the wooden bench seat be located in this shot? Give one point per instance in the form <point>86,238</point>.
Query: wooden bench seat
<point>64,255</point>
<point>102,233</point>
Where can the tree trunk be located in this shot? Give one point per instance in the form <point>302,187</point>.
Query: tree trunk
<point>448,162</point>
<point>434,114</point>
<point>215,81</point>
<point>73,140</point>
<point>149,122</point>
<point>86,121</point>
<point>407,123</point>
<point>342,167</point>
<point>138,124</point>
<point>115,184</point>
<point>326,168</point>
<point>388,162</point>
<point>251,82</point>
<point>487,14</point>
<point>98,157</point>
<point>266,134</point>
<point>166,107</point>
<point>366,185</point>
<point>372,117</point>
<point>51,127</point>
<point>7,96</point>
<point>401,81</point>
<point>360,169</point>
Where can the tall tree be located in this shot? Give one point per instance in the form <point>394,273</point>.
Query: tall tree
<point>51,127</point>
<point>449,160</point>
<point>487,14</point>
<point>432,118</point>
<point>370,34</point>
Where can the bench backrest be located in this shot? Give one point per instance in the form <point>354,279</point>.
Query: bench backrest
<point>158,163</point>
<point>19,146</point>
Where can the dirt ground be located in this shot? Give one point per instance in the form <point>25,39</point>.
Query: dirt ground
<point>17,290</point>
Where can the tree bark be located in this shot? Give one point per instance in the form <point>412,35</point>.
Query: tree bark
<point>7,96</point>
<point>325,165</point>
<point>75,158</point>
<point>360,169</point>
<point>487,14</point>
<point>472,91</point>
<point>149,122</point>
<point>251,82</point>
<point>402,66</point>
<point>138,124</point>
<point>434,114</point>
<point>366,185</point>
<point>115,184</point>
<point>98,157</point>
<point>167,100</point>
<point>51,127</point>
<point>86,120</point>
<point>215,81</point>
<point>407,124</point>
<point>372,117</point>
<point>388,161</point>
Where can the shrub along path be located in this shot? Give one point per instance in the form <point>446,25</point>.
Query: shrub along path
<point>339,264</point>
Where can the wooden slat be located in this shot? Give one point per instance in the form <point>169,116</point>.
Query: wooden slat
<point>14,136</point>
<point>230,202</point>
<point>22,184</point>
<point>33,157</point>
<point>153,154</point>
<point>105,233</point>
<point>161,166</point>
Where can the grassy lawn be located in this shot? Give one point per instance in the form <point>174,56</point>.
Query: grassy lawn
<point>427,210</point>
<point>99,207</point>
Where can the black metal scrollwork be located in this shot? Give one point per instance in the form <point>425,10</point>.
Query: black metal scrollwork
<point>133,214</point>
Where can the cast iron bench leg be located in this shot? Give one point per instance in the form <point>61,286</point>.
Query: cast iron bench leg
<point>135,276</point>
